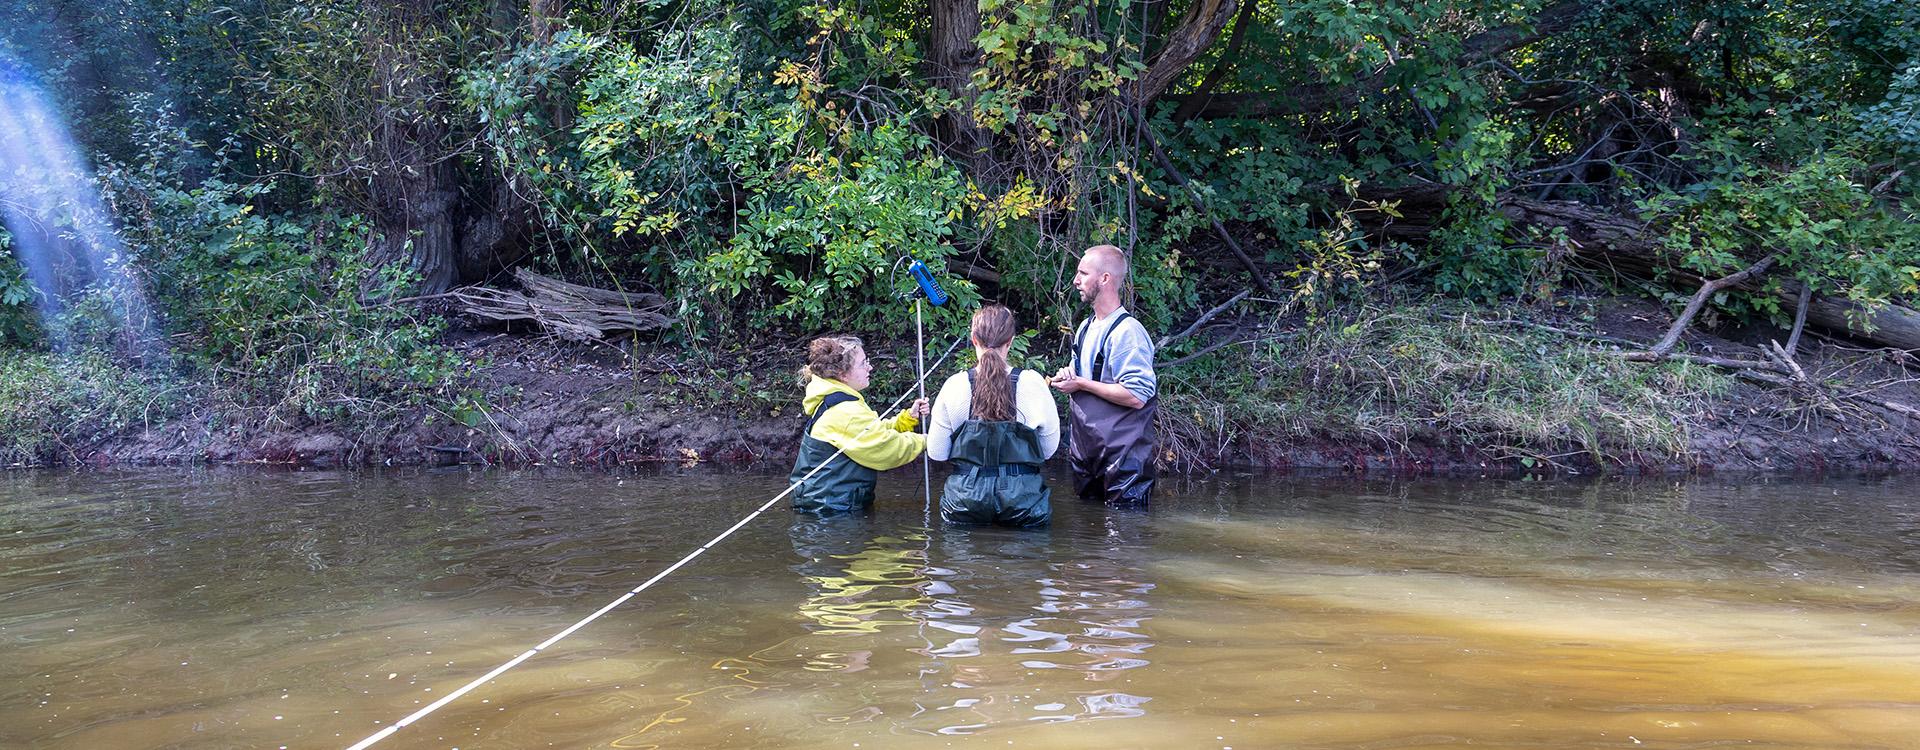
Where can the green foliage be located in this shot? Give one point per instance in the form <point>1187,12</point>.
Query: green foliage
<point>288,311</point>
<point>332,82</point>
<point>19,318</point>
<point>737,181</point>
<point>1473,256</point>
<point>107,58</point>
<point>1819,218</point>
<point>1896,121</point>
<point>823,231</point>
<point>507,100</point>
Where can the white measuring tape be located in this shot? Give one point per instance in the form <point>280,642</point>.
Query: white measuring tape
<point>528,654</point>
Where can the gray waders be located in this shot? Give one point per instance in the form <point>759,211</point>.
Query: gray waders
<point>844,486</point>
<point>1110,447</point>
<point>996,476</point>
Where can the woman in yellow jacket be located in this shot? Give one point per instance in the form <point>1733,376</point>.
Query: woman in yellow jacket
<point>839,420</point>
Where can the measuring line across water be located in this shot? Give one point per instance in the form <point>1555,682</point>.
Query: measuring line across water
<point>529,653</point>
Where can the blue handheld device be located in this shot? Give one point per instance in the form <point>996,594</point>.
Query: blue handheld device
<point>928,285</point>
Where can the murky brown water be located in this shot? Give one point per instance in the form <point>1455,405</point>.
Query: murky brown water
<point>226,609</point>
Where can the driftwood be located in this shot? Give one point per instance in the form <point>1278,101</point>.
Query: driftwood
<point>570,311</point>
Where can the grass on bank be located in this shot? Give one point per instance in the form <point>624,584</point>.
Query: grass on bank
<point>54,406</point>
<point>1395,376</point>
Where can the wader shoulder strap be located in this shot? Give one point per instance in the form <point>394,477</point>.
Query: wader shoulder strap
<point>1100,355</point>
<point>1079,338</point>
<point>831,400</point>
<point>1013,392</point>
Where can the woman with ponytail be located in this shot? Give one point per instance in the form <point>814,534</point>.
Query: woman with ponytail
<point>997,427</point>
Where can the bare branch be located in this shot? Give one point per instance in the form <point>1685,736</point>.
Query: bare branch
<point>1799,319</point>
<point>1707,290</point>
<point>1160,156</point>
<point>1202,320</point>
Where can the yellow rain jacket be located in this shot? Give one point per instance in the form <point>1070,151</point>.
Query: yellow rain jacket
<point>827,483</point>
<point>854,428</point>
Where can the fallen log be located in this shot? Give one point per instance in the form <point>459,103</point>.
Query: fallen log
<point>1606,240</point>
<point>570,311</point>
<point>1609,241</point>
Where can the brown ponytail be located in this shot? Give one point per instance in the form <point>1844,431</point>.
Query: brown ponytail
<point>992,329</point>
<point>830,357</point>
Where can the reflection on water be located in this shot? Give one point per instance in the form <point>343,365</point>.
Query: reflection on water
<point>859,578</point>
<point>236,609</point>
<point>991,636</point>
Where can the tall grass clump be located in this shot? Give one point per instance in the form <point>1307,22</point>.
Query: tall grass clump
<point>1441,376</point>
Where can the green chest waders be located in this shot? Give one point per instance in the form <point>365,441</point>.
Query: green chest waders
<point>996,476</point>
<point>1110,447</point>
<point>844,486</point>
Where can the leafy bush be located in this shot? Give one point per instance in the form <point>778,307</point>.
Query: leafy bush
<point>1819,217</point>
<point>19,319</point>
<point>1896,121</point>
<point>736,181</point>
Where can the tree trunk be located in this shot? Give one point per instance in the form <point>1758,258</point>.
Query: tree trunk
<point>544,17</point>
<point>415,190</point>
<point>951,59</point>
<point>415,217</point>
<point>1197,31</point>
<point>442,221</point>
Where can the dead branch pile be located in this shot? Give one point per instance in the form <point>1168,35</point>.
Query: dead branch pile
<point>570,311</point>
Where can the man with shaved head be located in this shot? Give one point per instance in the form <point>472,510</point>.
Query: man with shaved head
<point>1113,396</point>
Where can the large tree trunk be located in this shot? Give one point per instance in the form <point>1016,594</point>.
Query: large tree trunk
<point>951,59</point>
<point>444,223</point>
<point>415,215</point>
<point>415,190</point>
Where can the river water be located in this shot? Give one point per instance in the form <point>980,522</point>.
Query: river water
<point>246,609</point>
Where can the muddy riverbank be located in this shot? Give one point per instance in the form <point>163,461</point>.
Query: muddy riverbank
<point>549,402</point>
